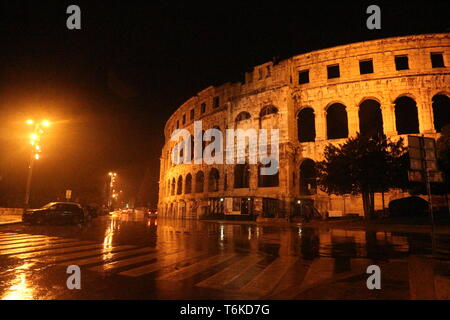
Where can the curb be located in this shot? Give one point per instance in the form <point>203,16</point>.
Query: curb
<point>10,223</point>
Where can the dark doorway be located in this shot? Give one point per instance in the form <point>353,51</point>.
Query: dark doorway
<point>308,177</point>
<point>406,116</point>
<point>441,111</point>
<point>370,118</point>
<point>306,125</point>
<point>337,123</point>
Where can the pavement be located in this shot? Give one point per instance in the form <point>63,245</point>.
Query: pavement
<point>10,219</point>
<point>127,256</point>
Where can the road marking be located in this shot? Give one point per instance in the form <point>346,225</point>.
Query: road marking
<point>126,262</point>
<point>193,269</point>
<point>25,240</point>
<point>109,257</point>
<point>22,237</point>
<point>269,278</point>
<point>57,249</point>
<point>32,244</point>
<point>163,262</point>
<point>6,235</point>
<point>220,279</point>
<point>82,254</point>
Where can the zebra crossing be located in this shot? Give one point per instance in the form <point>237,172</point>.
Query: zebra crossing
<point>252,274</point>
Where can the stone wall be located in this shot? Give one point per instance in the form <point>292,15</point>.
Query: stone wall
<point>277,84</point>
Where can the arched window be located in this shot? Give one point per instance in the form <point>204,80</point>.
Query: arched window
<point>370,118</point>
<point>308,177</point>
<point>168,187</point>
<point>192,148</point>
<point>173,186</point>
<point>268,110</point>
<point>213,180</point>
<point>241,176</point>
<point>337,124</point>
<point>267,181</point>
<point>188,184</point>
<point>306,127</point>
<point>199,181</point>
<point>180,185</point>
<point>406,117</point>
<point>243,116</point>
<point>441,111</point>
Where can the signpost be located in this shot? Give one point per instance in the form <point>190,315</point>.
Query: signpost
<point>424,168</point>
<point>68,194</point>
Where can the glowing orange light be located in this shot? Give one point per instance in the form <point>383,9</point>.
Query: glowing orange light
<point>36,156</point>
<point>29,121</point>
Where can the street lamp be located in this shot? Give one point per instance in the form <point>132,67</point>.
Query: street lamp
<point>112,181</point>
<point>35,138</point>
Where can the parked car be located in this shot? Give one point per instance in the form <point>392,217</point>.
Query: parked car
<point>408,207</point>
<point>152,213</point>
<point>56,212</point>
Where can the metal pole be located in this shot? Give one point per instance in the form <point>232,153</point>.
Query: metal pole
<point>430,203</point>
<point>28,187</point>
<point>109,191</point>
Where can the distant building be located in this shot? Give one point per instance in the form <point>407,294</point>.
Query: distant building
<point>396,85</point>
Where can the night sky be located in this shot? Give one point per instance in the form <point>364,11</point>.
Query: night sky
<point>110,87</point>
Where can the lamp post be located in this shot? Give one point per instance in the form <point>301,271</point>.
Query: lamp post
<point>112,181</point>
<point>35,138</point>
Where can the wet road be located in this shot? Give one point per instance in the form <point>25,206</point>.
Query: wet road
<point>130,257</point>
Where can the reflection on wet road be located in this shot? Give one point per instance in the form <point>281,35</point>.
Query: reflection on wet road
<point>131,257</point>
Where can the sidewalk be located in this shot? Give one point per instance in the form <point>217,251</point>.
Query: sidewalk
<point>10,219</point>
<point>353,224</point>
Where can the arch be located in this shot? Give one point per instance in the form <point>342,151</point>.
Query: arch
<point>192,147</point>
<point>268,110</point>
<point>306,126</point>
<point>173,187</point>
<point>406,116</point>
<point>188,184</point>
<point>199,181</point>
<point>308,177</point>
<point>180,185</point>
<point>370,118</point>
<point>268,181</point>
<point>241,176</point>
<point>213,180</point>
<point>337,122</point>
<point>441,111</point>
<point>244,115</point>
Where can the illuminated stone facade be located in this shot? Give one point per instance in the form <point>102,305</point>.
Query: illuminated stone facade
<point>399,85</point>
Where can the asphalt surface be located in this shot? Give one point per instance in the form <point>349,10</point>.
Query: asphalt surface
<point>128,256</point>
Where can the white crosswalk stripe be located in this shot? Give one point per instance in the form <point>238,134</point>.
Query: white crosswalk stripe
<point>208,270</point>
<point>109,257</point>
<point>162,262</point>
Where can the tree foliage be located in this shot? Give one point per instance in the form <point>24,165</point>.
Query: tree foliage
<point>363,164</point>
<point>443,150</point>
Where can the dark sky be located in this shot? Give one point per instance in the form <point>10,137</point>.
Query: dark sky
<point>110,87</point>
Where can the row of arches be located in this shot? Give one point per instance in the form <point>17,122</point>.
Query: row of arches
<point>307,184</point>
<point>371,118</point>
<point>241,180</point>
<point>267,110</point>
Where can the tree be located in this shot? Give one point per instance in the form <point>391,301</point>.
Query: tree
<point>443,150</point>
<point>443,153</point>
<point>363,164</point>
